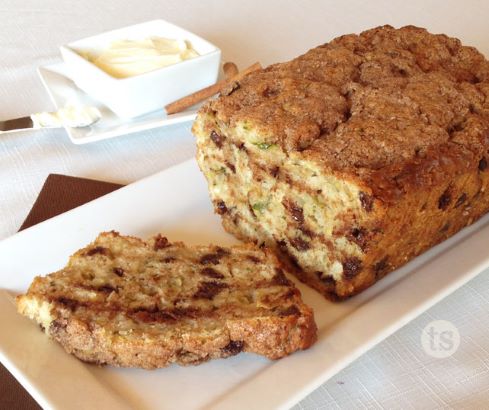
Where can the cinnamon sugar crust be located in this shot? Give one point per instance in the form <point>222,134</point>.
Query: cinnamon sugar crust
<point>369,102</point>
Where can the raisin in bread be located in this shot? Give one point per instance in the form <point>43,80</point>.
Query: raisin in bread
<point>354,157</point>
<point>126,302</point>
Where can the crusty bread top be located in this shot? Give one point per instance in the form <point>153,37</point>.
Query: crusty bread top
<point>388,107</point>
<point>125,290</point>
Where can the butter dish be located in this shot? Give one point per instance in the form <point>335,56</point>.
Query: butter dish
<point>141,94</point>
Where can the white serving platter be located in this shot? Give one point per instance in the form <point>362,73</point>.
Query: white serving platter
<point>175,202</point>
<point>62,90</point>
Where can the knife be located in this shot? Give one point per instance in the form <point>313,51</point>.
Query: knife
<point>72,116</point>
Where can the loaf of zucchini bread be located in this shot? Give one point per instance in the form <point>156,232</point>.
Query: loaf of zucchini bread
<point>355,157</point>
<point>127,302</point>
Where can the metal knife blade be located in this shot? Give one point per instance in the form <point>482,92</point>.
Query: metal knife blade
<point>16,124</point>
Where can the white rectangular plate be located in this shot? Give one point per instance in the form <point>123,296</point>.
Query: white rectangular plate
<point>175,202</point>
<point>62,90</point>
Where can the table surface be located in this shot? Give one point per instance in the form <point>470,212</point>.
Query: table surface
<point>395,374</point>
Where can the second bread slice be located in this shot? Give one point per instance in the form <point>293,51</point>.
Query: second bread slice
<point>126,302</point>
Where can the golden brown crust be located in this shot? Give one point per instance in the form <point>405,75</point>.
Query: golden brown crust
<point>370,104</point>
<point>126,302</point>
<point>396,118</point>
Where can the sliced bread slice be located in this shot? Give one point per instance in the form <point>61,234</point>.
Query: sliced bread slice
<point>127,302</point>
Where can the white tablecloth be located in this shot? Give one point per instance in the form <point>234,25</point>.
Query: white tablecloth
<point>395,374</point>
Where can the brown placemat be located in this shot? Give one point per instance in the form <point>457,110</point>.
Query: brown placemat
<point>59,194</point>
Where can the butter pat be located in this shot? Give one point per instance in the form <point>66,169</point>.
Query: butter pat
<point>127,58</point>
<point>73,116</point>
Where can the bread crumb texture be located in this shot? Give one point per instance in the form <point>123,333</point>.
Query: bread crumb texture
<point>127,302</point>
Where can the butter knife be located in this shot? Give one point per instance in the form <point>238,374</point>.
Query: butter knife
<point>72,116</point>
